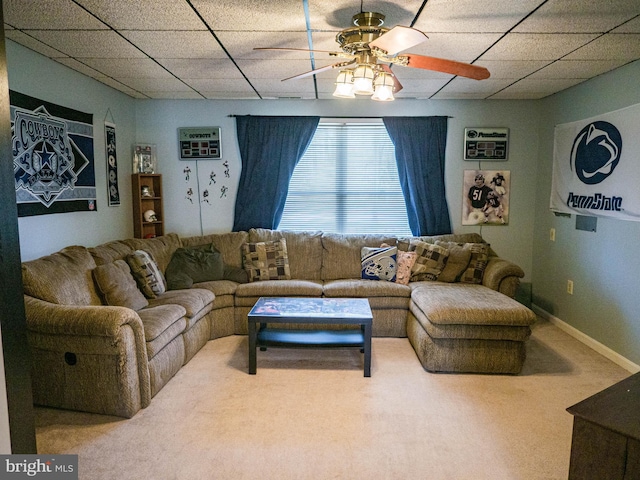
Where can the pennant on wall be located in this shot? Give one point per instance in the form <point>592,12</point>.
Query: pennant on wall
<point>595,166</point>
<point>53,158</point>
<point>112,164</point>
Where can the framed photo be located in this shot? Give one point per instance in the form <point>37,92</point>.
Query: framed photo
<point>485,197</point>
<point>144,159</point>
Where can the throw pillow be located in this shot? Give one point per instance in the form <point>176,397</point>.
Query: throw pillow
<point>459,257</point>
<point>379,263</point>
<point>193,265</point>
<point>477,263</point>
<point>266,260</point>
<point>118,287</point>
<point>430,261</point>
<point>405,264</point>
<point>147,274</point>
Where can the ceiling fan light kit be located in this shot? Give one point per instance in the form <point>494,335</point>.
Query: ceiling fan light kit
<point>372,48</point>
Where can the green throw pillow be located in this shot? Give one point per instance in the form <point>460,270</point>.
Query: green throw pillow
<point>193,265</point>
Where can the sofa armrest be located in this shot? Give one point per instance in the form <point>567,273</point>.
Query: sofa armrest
<point>109,371</point>
<point>502,275</point>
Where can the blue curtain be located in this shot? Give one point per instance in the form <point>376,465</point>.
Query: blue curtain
<point>420,155</point>
<point>270,148</point>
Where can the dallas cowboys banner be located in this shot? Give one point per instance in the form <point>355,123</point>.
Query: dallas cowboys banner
<point>596,170</point>
<point>53,159</point>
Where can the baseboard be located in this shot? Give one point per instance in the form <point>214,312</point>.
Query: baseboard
<point>587,340</point>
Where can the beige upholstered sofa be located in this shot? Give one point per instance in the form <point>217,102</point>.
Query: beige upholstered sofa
<point>93,354</point>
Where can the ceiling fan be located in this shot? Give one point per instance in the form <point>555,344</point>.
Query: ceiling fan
<point>368,47</point>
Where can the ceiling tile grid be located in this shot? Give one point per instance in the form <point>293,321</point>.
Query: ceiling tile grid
<point>206,49</point>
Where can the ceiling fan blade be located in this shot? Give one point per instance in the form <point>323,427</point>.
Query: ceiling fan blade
<point>396,83</point>
<point>397,39</point>
<point>321,69</point>
<point>447,66</point>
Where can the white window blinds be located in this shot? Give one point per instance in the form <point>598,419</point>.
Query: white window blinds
<point>347,182</point>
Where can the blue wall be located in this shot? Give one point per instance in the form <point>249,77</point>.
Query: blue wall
<point>604,265</point>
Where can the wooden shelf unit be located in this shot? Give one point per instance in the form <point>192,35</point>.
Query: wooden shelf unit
<point>141,204</point>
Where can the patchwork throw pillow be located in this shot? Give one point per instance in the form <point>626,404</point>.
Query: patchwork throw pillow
<point>147,274</point>
<point>379,263</point>
<point>459,257</point>
<point>405,264</point>
<point>478,262</point>
<point>118,287</point>
<point>430,260</point>
<point>266,260</point>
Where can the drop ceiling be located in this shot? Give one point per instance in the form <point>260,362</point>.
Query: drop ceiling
<point>204,49</point>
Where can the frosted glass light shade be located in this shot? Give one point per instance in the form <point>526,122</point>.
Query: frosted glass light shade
<point>363,80</point>
<point>383,88</point>
<point>344,85</point>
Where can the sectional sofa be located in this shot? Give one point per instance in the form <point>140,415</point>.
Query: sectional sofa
<point>108,331</point>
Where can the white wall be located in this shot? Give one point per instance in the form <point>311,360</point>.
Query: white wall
<point>603,265</point>
<point>158,121</point>
<point>37,76</point>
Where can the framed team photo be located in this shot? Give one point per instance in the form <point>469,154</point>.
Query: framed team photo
<point>485,197</point>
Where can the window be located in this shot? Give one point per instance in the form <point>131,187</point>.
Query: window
<point>347,182</point>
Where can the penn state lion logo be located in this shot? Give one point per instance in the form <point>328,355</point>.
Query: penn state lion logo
<point>596,152</point>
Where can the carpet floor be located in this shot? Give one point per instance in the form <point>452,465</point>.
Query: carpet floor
<point>311,414</point>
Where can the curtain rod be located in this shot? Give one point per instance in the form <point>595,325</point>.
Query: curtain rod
<point>335,116</point>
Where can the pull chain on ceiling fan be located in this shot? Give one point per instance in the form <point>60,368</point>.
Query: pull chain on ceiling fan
<point>366,44</point>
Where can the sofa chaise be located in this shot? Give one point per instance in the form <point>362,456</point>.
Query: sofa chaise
<point>110,325</point>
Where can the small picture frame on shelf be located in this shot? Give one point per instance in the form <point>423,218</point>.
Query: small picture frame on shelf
<point>144,159</point>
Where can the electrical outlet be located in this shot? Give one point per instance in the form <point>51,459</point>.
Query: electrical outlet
<point>552,234</point>
<point>570,287</point>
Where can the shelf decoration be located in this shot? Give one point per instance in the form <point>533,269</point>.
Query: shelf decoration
<point>144,159</point>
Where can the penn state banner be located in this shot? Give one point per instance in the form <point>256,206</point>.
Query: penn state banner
<point>53,160</point>
<point>596,166</point>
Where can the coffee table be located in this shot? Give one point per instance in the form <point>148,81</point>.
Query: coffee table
<point>310,311</point>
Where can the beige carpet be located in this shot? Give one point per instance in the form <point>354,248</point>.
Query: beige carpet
<point>310,414</point>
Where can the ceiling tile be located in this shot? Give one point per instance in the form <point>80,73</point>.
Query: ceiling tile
<point>219,85</point>
<point>88,43</point>
<point>473,16</point>
<point>540,86</point>
<point>613,46</point>
<point>34,44</point>
<point>154,84</point>
<point>456,46</point>
<point>577,68</point>
<point>202,68</point>
<point>181,44</point>
<point>579,16</point>
<point>536,46</point>
<point>80,67</point>
<point>230,95</point>
<point>242,44</point>
<point>144,14</point>
<point>49,15</point>
<point>330,15</point>
<point>186,95</point>
<point>127,67</point>
<point>511,68</point>
<point>278,16</point>
<point>123,88</point>
<point>632,26</point>
<point>483,88</point>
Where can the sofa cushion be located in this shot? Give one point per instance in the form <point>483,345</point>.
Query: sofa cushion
<point>110,252</point>
<point>406,261</point>
<point>430,260</point>
<point>118,287</point>
<point>341,257</point>
<point>161,248</point>
<point>147,274</point>
<point>161,325</point>
<point>477,264</point>
<point>280,288</point>
<point>457,262</point>
<point>304,250</point>
<point>266,260</point>
<point>379,263</point>
<point>64,277</point>
<point>192,265</point>
<point>228,244</point>
<point>195,301</point>
<point>359,288</point>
